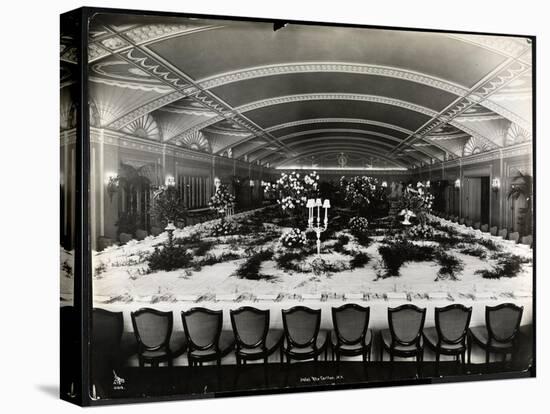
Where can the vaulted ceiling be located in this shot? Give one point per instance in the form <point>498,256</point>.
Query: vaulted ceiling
<point>307,95</point>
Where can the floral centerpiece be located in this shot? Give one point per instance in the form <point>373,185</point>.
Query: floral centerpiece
<point>294,189</point>
<point>416,202</point>
<point>363,192</point>
<point>420,232</point>
<point>293,238</point>
<point>223,228</point>
<point>222,200</point>
<point>358,225</point>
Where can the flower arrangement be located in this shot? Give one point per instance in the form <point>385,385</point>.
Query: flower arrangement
<point>359,225</point>
<point>222,200</point>
<point>293,238</point>
<point>417,200</point>
<point>294,189</point>
<point>362,191</point>
<point>223,228</point>
<point>420,232</point>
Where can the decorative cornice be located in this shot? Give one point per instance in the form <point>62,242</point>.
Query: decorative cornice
<point>122,140</point>
<point>523,149</point>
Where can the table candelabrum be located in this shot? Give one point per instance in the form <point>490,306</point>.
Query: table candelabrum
<point>318,228</point>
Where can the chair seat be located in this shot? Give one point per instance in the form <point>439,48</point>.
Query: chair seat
<point>481,336</point>
<point>386,338</point>
<point>354,347</point>
<point>272,342</point>
<point>225,344</point>
<point>321,342</point>
<point>432,338</point>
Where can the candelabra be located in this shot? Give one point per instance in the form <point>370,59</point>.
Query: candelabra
<point>318,229</point>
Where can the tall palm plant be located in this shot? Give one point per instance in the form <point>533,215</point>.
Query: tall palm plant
<point>522,185</point>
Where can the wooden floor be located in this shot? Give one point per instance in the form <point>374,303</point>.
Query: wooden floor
<point>209,381</point>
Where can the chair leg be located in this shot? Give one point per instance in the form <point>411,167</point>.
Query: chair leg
<point>469,352</point>
<point>487,355</point>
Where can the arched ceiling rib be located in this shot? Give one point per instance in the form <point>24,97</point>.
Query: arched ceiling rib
<point>249,92</point>
<point>278,160</point>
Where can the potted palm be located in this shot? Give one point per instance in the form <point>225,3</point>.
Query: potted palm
<point>522,186</point>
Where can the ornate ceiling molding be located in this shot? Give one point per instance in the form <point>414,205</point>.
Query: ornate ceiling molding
<point>332,67</point>
<point>490,84</point>
<point>164,71</point>
<point>335,150</point>
<point>312,67</point>
<point>335,96</point>
<point>339,120</point>
<point>474,146</point>
<point>321,141</point>
<point>336,131</point>
<point>114,40</point>
<point>145,109</point>
<point>144,127</point>
<point>335,120</point>
<point>510,47</point>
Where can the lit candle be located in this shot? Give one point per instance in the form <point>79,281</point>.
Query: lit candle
<point>326,206</point>
<point>318,204</point>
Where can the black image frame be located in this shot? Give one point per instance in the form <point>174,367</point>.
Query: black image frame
<point>83,303</point>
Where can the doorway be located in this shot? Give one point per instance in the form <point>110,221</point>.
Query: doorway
<point>477,201</point>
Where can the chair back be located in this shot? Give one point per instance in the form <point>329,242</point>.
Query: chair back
<point>484,228</point>
<point>406,324</point>
<point>528,240</point>
<point>152,328</point>
<point>106,329</point>
<point>514,237</point>
<point>477,225</point>
<point>503,233</point>
<point>462,220</point>
<point>301,325</point>
<point>493,230</point>
<point>503,321</point>
<point>350,322</point>
<point>452,322</point>
<point>250,326</point>
<point>202,327</point>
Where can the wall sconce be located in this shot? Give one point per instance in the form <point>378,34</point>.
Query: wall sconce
<point>457,183</point>
<point>428,184</point>
<point>251,183</point>
<point>495,184</point>
<point>170,181</point>
<point>384,184</point>
<point>112,182</point>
